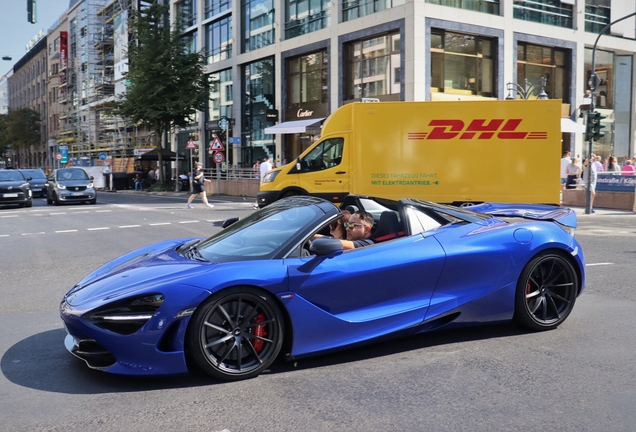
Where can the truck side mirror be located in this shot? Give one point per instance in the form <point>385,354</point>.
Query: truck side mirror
<point>298,164</point>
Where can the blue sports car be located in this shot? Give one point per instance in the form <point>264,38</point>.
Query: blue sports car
<point>260,288</point>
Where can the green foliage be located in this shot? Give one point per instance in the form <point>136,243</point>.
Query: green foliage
<point>167,84</point>
<point>20,128</point>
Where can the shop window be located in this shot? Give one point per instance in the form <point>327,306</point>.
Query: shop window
<point>535,62</point>
<point>486,6</point>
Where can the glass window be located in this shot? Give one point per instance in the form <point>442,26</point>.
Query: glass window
<point>597,15</point>
<point>352,9</point>
<point>535,62</point>
<point>308,79</point>
<point>305,16</point>
<point>221,100</point>
<point>370,66</point>
<point>487,6</point>
<point>259,96</point>
<point>219,40</point>
<point>552,12</point>
<point>327,154</point>
<point>215,7</point>
<point>462,64</point>
<point>190,40</point>
<point>258,24</point>
<point>187,12</point>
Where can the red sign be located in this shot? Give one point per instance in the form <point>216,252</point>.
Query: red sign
<point>191,145</point>
<point>480,128</point>
<point>58,156</point>
<point>218,157</point>
<point>63,55</point>
<point>216,145</point>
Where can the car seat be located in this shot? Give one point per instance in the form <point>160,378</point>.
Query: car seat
<point>388,227</point>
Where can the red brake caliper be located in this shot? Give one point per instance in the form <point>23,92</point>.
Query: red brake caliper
<point>259,331</point>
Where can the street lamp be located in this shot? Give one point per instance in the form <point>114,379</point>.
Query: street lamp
<point>526,90</point>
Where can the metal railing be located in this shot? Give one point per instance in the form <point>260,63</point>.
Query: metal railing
<point>231,174</point>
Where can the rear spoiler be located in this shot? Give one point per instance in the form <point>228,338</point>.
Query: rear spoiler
<point>563,215</point>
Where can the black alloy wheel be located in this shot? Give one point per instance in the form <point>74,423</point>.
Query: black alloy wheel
<point>236,334</point>
<point>546,292</point>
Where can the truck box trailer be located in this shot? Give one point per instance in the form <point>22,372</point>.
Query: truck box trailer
<point>447,151</point>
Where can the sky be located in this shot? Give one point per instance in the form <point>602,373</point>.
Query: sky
<point>16,31</point>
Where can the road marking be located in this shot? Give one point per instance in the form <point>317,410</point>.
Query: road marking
<point>129,226</point>
<point>79,212</point>
<point>37,233</point>
<point>66,231</point>
<point>599,264</point>
<point>58,213</point>
<point>4,235</point>
<point>96,229</point>
<point>161,223</point>
<point>102,211</point>
<point>9,216</point>
<point>184,222</point>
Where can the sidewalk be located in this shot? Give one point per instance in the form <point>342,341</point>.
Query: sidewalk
<point>180,194</point>
<point>580,211</point>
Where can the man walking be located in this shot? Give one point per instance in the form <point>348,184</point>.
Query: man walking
<point>264,167</point>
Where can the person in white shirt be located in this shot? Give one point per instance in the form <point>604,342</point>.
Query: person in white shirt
<point>598,164</point>
<point>265,166</point>
<point>565,161</point>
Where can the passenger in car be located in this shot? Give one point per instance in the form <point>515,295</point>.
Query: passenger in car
<point>336,228</point>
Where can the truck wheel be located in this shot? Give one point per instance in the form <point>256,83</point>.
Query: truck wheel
<point>291,193</point>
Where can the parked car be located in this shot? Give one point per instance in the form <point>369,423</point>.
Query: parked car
<point>37,180</point>
<point>14,188</point>
<point>70,185</point>
<point>233,302</point>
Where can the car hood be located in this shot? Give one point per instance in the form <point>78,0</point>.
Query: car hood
<point>5,184</point>
<point>153,265</point>
<point>563,215</point>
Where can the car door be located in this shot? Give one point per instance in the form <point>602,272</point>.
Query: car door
<point>362,293</point>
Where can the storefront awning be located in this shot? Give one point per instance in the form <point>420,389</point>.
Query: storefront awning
<point>570,126</point>
<point>292,127</point>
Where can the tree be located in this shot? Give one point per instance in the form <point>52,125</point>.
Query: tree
<point>167,83</point>
<point>20,129</point>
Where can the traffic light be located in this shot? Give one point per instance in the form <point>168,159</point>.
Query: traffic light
<point>32,13</point>
<point>597,126</point>
<point>589,126</point>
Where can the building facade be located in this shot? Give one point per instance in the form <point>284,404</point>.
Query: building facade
<point>282,66</point>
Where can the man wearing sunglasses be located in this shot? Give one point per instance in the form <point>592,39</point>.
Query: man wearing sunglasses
<point>358,230</point>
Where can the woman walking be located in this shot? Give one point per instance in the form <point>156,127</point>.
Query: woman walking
<point>198,186</point>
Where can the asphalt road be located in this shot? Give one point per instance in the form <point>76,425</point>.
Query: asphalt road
<point>579,377</point>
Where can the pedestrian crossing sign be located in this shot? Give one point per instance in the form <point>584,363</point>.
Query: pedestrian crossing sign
<point>216,145</point>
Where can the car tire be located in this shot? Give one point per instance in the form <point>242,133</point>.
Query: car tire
<point>93,201</point>
<point>49,201</point>
<point>56,200</point>
<point>225,337</point>
<point>29,203</point>
<point>546,292</point>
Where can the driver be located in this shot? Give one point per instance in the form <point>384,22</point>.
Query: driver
<point>358,230</point>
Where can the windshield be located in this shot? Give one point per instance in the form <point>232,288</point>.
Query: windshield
<point>36,174</point>
<point>261,235</point>
<point>71,174</point>
<point>7,175</point>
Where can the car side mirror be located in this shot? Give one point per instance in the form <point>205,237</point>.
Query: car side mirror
<point>326,246</point>
<point>230,221</point>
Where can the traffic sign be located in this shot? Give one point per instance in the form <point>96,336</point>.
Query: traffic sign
<point>218,157</point>
<point>223,123</point>
<point>235,140</point>
<point>102,156</point>
<point>191,145</point>
<point>216,144</point>
<point>58,156</point>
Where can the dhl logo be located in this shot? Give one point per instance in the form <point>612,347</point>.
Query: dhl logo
<point>483,129</point>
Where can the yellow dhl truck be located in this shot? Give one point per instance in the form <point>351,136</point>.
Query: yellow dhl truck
<point>448,152</point>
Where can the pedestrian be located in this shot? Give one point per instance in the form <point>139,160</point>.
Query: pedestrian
<point>263,167</point>
<point>138,183</point>
<point>572,170</point>
<point>598,164</point>
<point>565,161</point>
<point>628,169</point>
<point>612,166</point>
<point>256,169</point>
<point>158,173</point>
<point>198,186</point>
<point>589,176</point>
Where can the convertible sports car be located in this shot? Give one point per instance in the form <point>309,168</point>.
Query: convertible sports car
<point>233,302</point>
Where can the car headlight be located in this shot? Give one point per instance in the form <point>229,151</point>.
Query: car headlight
<point>60,186</point>
<point>567,229</point>
<point>90,186</point>
<point>270,176</point>
<point>126,316</point>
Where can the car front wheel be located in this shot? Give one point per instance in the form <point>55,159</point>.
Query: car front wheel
<point>236,334</point>
<point>546,292</point>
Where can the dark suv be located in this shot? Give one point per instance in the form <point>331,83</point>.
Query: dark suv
<point>15,189</point>
<point>70,185</point>
<point>37,180</point>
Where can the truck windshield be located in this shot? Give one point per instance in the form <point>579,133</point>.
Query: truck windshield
<point>325,155</point>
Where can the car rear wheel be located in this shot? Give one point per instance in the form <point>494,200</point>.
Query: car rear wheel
<point>546,292</point>
<point>236,334</point>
